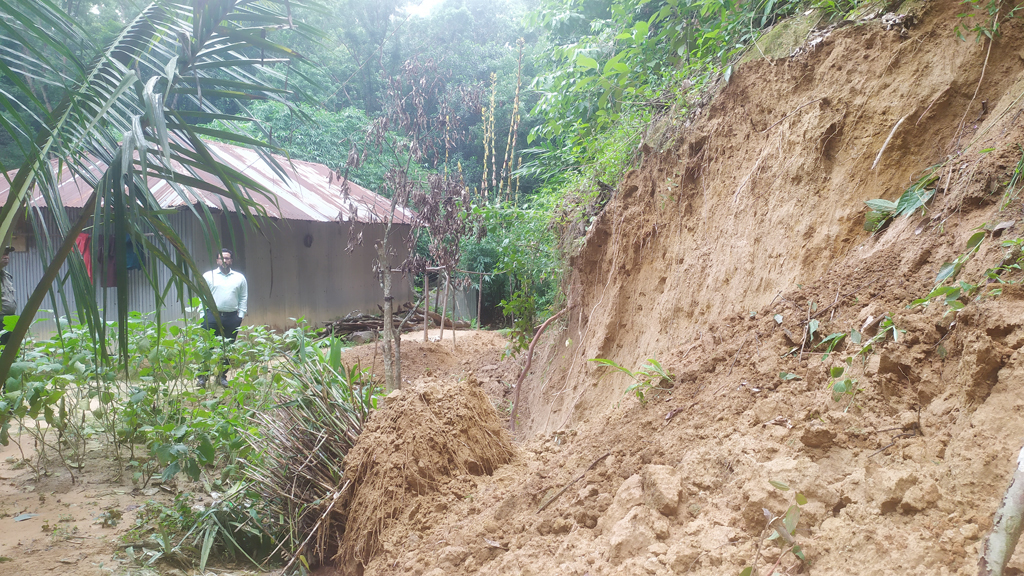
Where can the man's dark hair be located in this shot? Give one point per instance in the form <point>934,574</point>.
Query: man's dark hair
<point>223,250</point>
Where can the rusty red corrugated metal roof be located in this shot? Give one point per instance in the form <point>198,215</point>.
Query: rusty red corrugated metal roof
<point>310,193</point>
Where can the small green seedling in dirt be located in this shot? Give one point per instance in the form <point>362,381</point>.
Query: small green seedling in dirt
<point>951,296</point>
<point>885,328</point>
<point>646,379</point>
<point>919,193</point>
<point>951,269</point>
<point>831,341</point>
<point>789,376</point>
<point>1011,261</point>
<point>1012,187</point>
<point>782,528</point>
<point>841,386</point>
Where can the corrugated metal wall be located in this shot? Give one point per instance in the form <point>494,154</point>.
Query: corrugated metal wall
<point>322,281</point>
<point>27,268</point>
<point>286,279</point>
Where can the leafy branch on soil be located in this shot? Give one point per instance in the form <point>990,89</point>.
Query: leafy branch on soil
<point>647,378</point>
<point>955,297</point>
<point>883,211</point>
<point>886,327</point>
<point>783,527</point>
<point>983,20</point>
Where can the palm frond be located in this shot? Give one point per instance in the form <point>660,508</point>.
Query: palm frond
<point>120,126</point>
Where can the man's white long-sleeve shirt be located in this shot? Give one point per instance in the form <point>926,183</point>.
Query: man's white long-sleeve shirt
<point>230,291</point>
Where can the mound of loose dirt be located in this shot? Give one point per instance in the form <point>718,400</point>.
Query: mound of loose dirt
<point>427,435</point>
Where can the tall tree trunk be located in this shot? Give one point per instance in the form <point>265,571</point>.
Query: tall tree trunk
<point>397,336</point>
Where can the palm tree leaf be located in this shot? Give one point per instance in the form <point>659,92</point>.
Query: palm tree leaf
<point>237,62</point>
<point>113,129</point>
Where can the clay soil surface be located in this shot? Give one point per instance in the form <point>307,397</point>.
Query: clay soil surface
<point>51,525</point>
<point>729,255</point>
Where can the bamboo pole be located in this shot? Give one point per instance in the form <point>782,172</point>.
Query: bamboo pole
<point>479,302</point>
<point>1006,526</point>
<point>444,304</point>
<point>436,297</point>
<point>426,299</point>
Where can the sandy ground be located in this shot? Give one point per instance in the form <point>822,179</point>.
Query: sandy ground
<point>65,533</point>
<point>479,353</point>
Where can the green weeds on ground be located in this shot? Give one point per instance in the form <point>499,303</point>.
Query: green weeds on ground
<point>65,394</point>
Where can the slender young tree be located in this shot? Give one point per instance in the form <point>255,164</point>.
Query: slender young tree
<point>418,129</point>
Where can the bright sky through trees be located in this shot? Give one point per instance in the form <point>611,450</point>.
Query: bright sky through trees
<point>424,7</point>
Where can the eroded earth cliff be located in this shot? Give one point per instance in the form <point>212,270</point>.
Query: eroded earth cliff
<point>735,248</point>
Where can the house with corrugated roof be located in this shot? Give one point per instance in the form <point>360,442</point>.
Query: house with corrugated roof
<point>311,256</point>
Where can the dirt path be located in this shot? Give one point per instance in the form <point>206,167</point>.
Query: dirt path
<point>51,525</point>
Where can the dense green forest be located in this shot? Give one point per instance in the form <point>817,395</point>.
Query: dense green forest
<point>534,107</point>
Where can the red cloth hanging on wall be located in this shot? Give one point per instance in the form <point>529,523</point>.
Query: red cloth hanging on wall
<point>84,245</point>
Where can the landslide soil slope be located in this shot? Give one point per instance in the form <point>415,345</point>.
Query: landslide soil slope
<point>752,208</point>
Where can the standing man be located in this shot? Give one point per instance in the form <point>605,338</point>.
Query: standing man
<point>9,306</point>
<point>231,295</point>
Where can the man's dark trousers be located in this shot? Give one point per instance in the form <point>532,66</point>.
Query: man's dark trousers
<point>229,320</point>
<point>230,323</point>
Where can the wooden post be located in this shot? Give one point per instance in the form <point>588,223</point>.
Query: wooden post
<point>510,298</point>
<point>436,296</point>
<point>426,303</point>
<point>444,304</point>
<point>479,302</point>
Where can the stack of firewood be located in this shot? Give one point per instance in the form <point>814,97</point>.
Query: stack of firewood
<point>360,322</point>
